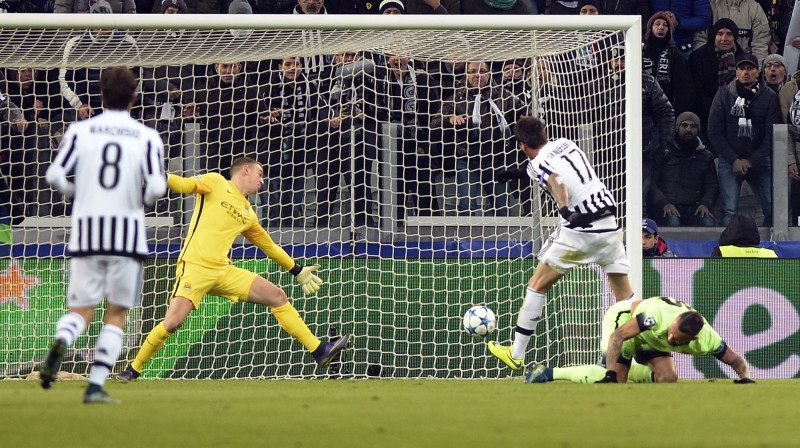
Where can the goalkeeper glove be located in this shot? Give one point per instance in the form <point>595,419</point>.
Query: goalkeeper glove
<point>744,381</point>
<point>574,218</point>
<point>611,377</point>
<point>307,279</point>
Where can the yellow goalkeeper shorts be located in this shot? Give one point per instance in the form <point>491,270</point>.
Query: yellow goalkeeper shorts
<point>193,282</point>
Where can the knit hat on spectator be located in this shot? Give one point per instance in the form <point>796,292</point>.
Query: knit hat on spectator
<point>180,4</point>
<point>595,3</point>
<point>690,116</point>
<point>240,7</point>
<point>650,226</point>
<point>720,24</point>
<point>386,4</point>
<point>773,58</point>
<point>667,16</point>
<point>101,7</point>
<point>519,62</point>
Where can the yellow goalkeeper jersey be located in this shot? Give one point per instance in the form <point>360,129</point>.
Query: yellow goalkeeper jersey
<point>220,214</point>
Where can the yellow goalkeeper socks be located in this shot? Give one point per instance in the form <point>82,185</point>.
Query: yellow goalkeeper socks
<point>155,340</point>
<point>580,374</point>
<point>291,321</point>
<point>640,373</point>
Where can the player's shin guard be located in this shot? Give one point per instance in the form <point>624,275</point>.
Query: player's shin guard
<point>587,374</point>
<point>109,344</point>
<point>69,327</point>
<point>640,373</point>
<point>155,340</point>
<point>291,321</point>
<point>527,320</point>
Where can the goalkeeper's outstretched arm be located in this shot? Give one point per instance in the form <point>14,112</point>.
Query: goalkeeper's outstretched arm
<point>304,275</point>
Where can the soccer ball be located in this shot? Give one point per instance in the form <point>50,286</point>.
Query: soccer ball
<point>479,321</point>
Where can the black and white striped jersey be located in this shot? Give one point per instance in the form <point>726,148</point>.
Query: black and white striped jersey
<point>587,193</point>
<point>117,164</point>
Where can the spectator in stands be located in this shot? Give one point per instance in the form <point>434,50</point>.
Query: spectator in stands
<point>80,88</point>
<point>476,118</point>
<point>228,109</point>
<point>28,6</point>
<point>691,16</point>
<point>30,153</point>
<point>289,107</point>
<point>174,7</point>
<point>401,95</point>
<point>740,123</point>
<point>12,171</point>
<point>318,66</point>
<point>432,6</point>
<point>658,116</point>
<point>513,77</point>
<point>713,66</point>
<point>494,7</point>
<point>753,30</point>
<point>343,118</point>
<point>664,61</point>
<point>563,7</point>
<point>653,246</point>
<point>790,114</point>
<point>684,187</point>
<point>391,7</point>
<point>589,8</point>
<point>627,8</point>
<point>773,72</point>
<point>741,239</point>
<point>85,6</point>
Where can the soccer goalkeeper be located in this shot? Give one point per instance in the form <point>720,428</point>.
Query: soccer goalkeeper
<point>222,212</point>
<point>648,331</point>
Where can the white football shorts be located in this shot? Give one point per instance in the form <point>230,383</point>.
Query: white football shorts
<point>567,248</point>
<point>92,278</point>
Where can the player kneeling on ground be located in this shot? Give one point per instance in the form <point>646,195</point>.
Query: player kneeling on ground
<point>648,331</point>
<point>221,213</point>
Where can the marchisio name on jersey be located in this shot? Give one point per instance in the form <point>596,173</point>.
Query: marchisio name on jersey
<point>114,131</point>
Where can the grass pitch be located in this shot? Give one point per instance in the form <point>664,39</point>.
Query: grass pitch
<point>402,413</point>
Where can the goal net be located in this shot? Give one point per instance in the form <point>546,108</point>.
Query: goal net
<point>381,165</point>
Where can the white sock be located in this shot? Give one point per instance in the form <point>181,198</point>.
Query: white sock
<point>527,320</point>
<point>69,327</point>
<point>109,344</point>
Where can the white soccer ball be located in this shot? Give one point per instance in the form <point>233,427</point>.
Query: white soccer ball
<point>479,321</point>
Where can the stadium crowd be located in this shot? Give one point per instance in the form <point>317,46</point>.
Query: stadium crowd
<point>714,84</point>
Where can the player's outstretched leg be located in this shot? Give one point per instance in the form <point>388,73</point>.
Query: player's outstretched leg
<point>326,351</point>
<point>503,353</point>
<point>48,370</point>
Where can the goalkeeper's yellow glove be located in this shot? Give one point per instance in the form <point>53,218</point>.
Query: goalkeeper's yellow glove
<point>307,279</point>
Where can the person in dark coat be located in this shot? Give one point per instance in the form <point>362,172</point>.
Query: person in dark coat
<point>684,179</point>
<point>714,65</point>
<point>664,61</point>
<point>740,125</point>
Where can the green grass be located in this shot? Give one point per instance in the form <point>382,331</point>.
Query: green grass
<point>402,413</point>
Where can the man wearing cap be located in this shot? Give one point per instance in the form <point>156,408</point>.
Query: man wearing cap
<point>714,65</point>
<point>684,179</point>
<point>740,125</point>
<point>653,246</point>
<point>664,61</point>
<point>773,72</point>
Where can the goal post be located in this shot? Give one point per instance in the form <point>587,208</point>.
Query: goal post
<point>380,165</point>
